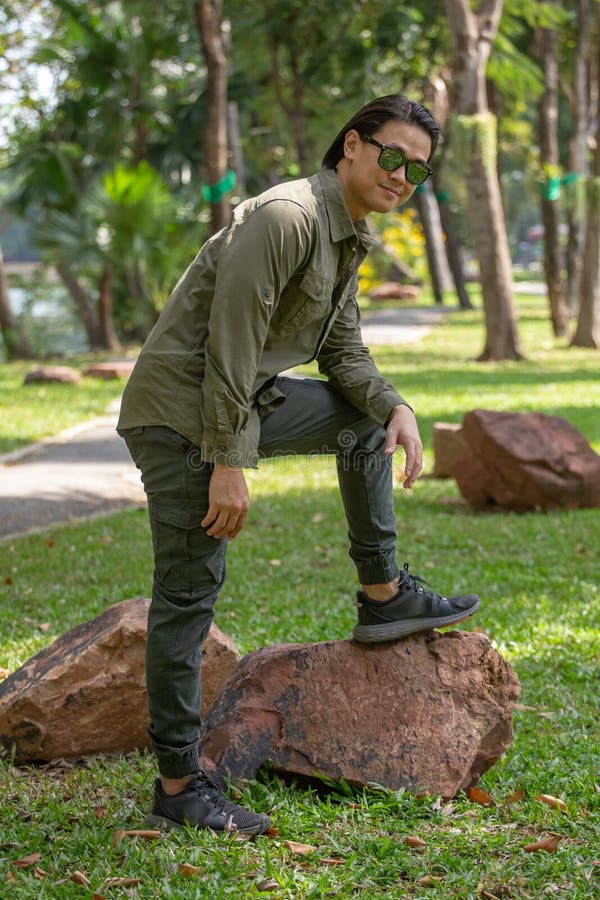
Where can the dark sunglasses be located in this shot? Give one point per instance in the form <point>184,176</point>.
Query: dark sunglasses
<point>391,159</point>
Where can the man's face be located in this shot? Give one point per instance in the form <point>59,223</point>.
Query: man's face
<point>369,188</point>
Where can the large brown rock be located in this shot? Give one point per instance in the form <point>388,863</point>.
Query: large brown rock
<point>86,693</point>
<point>526,461</point>
<point>429,712</point>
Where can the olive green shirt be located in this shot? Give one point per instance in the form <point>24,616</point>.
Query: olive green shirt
<point>275,289</point>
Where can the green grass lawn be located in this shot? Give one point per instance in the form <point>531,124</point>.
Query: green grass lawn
<point>290,580</point>
<point>34,411</point>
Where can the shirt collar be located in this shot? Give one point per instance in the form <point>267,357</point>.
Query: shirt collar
<point>341,225</point>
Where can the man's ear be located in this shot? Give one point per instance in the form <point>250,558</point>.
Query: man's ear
<point>351,143</point>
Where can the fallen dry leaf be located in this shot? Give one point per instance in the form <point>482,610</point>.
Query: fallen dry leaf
<point>274,562</point>
<point>489,896</point>
<point>44,626</point>
<point>39,873</point>
<point>4,672</point>
<point>331,861</point>
<point>96,896</point>
<point>122,882</point>
<point>478,796</point>
<point>413,841</point>
<point>549,844</point>
<point>117,837</point>
<point>142,833</point>
<point>552,801</point>
<point>10,876</point>
<point>514,798</point>
<point>27,861</point>
<point>79,878</point>
<point>100,811</point>
<point>299,849</point>
<point>271,832</point>
<point>269,884</point>
<point>188,869</point>
<point>428,880</point>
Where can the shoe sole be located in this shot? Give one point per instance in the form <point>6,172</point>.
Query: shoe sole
<point>172,824</point>
<point>391,631</point>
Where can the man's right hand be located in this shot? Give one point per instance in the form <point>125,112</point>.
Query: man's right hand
<point>228,502</point>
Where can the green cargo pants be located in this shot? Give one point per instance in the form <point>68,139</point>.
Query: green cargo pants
<point>190,565</point>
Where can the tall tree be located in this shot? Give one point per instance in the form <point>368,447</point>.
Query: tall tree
<point>587,333</point>
<point>472,34</point>
<point>210,26</point>
<point>576,89</point>
<point>546,46</point>
<point>435,248</point>
<point>436,96</point>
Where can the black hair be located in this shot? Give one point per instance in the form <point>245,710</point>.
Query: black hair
<point>375,114</point>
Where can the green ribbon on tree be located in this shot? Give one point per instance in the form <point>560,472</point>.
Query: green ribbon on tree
<point>214,193</point>
<point>443,196</point>
<point>549,188</point>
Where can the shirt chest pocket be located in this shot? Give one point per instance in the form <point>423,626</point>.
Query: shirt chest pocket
<point>304,300</point>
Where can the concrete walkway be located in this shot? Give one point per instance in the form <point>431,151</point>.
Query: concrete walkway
<point>87,470</point>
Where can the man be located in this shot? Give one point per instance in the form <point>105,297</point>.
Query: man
<point>275,289</point>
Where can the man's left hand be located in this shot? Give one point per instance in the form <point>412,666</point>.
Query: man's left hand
<point>402,429</point>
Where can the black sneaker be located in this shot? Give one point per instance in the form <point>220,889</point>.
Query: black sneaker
<point>411,610</point>
<point>202,804</point>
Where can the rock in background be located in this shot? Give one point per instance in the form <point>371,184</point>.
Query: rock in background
<point>448,448</point>
<point>432,711</point>
<point>86,693</point>
<point>526,461</point>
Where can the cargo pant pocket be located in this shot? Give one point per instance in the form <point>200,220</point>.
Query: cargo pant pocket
<point>187,560</point>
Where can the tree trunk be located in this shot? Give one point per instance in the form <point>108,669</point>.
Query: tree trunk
<point>546,45</point>
<point>208,20</point>
<point>429,213</point>
<point>84,305</point>
<point>587,333</point>
<point>436,94</point>
<point>15,342</point>
<point>472,35</point>
<point>452,247</point>
<point>105,309</point>
<point>579,108</point>
<point>298,115</point>
<point>235,148</point>
<point>292,108</point>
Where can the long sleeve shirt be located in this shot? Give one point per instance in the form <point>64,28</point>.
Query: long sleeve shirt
<point>275,289</point>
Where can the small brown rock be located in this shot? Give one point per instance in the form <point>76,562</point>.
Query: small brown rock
<point>52,374</point>
<point>431,712</point>
<point>86,692</point>
<point>109,371</point>
<point>392,290</point>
